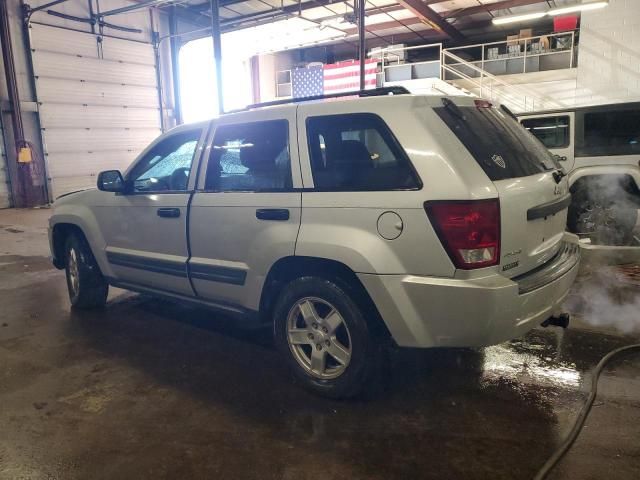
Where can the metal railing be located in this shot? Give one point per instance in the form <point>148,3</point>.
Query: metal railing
<point>480,71</point>
<point>558,48</point>
<point>517,97</point>
<point>392,60</point>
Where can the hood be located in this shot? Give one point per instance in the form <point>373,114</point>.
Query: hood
<point>75,196</point>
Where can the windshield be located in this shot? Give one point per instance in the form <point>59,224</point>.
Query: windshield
<point>501,146</point>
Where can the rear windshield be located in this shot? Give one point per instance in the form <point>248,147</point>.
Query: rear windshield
<point>501,146</point>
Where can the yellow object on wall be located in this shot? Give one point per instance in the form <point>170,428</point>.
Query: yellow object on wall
<point>24,155</point>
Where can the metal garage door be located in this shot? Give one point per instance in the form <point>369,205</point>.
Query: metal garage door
<point>98,104</point>
<point>4,174</point>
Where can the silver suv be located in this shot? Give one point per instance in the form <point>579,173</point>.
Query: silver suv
<point>430,221</point>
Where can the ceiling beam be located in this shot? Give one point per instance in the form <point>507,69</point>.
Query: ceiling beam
<point>491,7</point>
<point>376,27</point>
<point>202,7</point>
<point>306,5</point>
<point>192,12</point>
<point>431,18</point>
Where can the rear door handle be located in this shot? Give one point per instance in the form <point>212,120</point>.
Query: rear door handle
<point>169,212</point>
<point>272,214</point>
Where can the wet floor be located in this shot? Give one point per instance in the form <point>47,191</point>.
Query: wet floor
<point>152,389</point>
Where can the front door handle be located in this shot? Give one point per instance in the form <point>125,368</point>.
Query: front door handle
<point>272,214</point>
<point>169,212</point>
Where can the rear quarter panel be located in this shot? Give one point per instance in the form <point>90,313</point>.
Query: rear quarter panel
<point>343,225</point>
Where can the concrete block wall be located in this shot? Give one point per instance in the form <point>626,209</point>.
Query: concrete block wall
<point>609,55</point>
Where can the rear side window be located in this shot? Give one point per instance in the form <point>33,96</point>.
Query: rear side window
<point>502,147</point>
<point>357,152</point>
<point>610,133</point>
<point>250,157</point>
<point>553,132</point>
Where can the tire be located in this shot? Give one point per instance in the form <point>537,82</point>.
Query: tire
<point>603,220</point>
<point>87,287</point>
<point>343,338</point>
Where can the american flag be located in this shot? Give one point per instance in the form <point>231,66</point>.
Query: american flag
<point>307,82</point>
<point>333,78</point>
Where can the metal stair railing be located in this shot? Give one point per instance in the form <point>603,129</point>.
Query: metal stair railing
<point>520,98</point>
<point>516,102</point>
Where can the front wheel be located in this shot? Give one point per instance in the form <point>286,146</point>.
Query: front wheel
<point>324,337</point>
<point>87,287</point>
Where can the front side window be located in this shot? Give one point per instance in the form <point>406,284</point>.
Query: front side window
<point>357,152</point>
<point>553,132</point>
<point>167,166</point>
<point>610,133</point>
<point>250,157</point>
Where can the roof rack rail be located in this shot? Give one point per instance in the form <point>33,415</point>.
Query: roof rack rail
<point>374,92</point>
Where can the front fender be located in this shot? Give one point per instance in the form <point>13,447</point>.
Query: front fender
<point>82,216</point>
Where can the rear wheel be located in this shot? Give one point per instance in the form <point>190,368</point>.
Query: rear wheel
<point>87,287</point>
<point>604,220</point>
<point>324,337</point>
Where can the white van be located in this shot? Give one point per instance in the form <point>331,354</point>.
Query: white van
<point>599,147</point>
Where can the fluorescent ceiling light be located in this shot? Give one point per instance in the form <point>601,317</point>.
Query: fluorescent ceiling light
<point>518,18</point>
<point>577,8</point>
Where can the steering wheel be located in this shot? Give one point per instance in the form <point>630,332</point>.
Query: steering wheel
<point>179,178</point>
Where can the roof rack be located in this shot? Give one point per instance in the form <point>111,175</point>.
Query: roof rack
<point>374,92</point>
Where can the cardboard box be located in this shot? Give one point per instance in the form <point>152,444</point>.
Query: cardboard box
<point>525,33</point>
<point>512,40</point>
<point>544,43</point>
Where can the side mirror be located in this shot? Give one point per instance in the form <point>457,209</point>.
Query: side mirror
<point>111,181</point>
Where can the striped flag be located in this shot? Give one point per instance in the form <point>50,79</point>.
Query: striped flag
<point>333,78</point>
<point>345,76</point>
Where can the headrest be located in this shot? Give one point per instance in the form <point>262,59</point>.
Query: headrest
<point>353,152</point>
<point>260,154</point>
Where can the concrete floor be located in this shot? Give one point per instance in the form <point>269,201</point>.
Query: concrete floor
<point>151,389</point>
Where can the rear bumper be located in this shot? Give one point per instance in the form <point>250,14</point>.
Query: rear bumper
<point>440,312</point>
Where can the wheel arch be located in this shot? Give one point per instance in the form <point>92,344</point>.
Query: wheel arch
<point>289,268</point>
<point>607,182</point>
<point>59,234</point>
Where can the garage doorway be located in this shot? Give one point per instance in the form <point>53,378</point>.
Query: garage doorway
<point>198,97</point>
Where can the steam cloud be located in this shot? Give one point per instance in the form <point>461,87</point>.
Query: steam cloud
<point>608,297</point>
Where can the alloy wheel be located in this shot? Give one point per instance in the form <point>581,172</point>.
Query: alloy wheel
<point>74,273</point>
<point>318,338</point>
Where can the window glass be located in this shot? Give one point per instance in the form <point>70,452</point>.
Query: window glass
<point>357,152</point>
<point>502,147</point>
<point>167,166</point>
<point>553,132</point>
<point>611,133</point>
<point>250,157</point>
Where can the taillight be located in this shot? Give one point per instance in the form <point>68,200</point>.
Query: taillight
<point>469,230</point>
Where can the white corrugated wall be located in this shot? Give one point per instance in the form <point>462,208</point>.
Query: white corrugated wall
<point>98,104</point>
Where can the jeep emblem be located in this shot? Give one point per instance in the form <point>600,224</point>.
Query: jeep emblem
<point>498,160</point>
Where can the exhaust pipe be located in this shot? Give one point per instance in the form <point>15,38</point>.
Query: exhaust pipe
<point>561,320</point>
